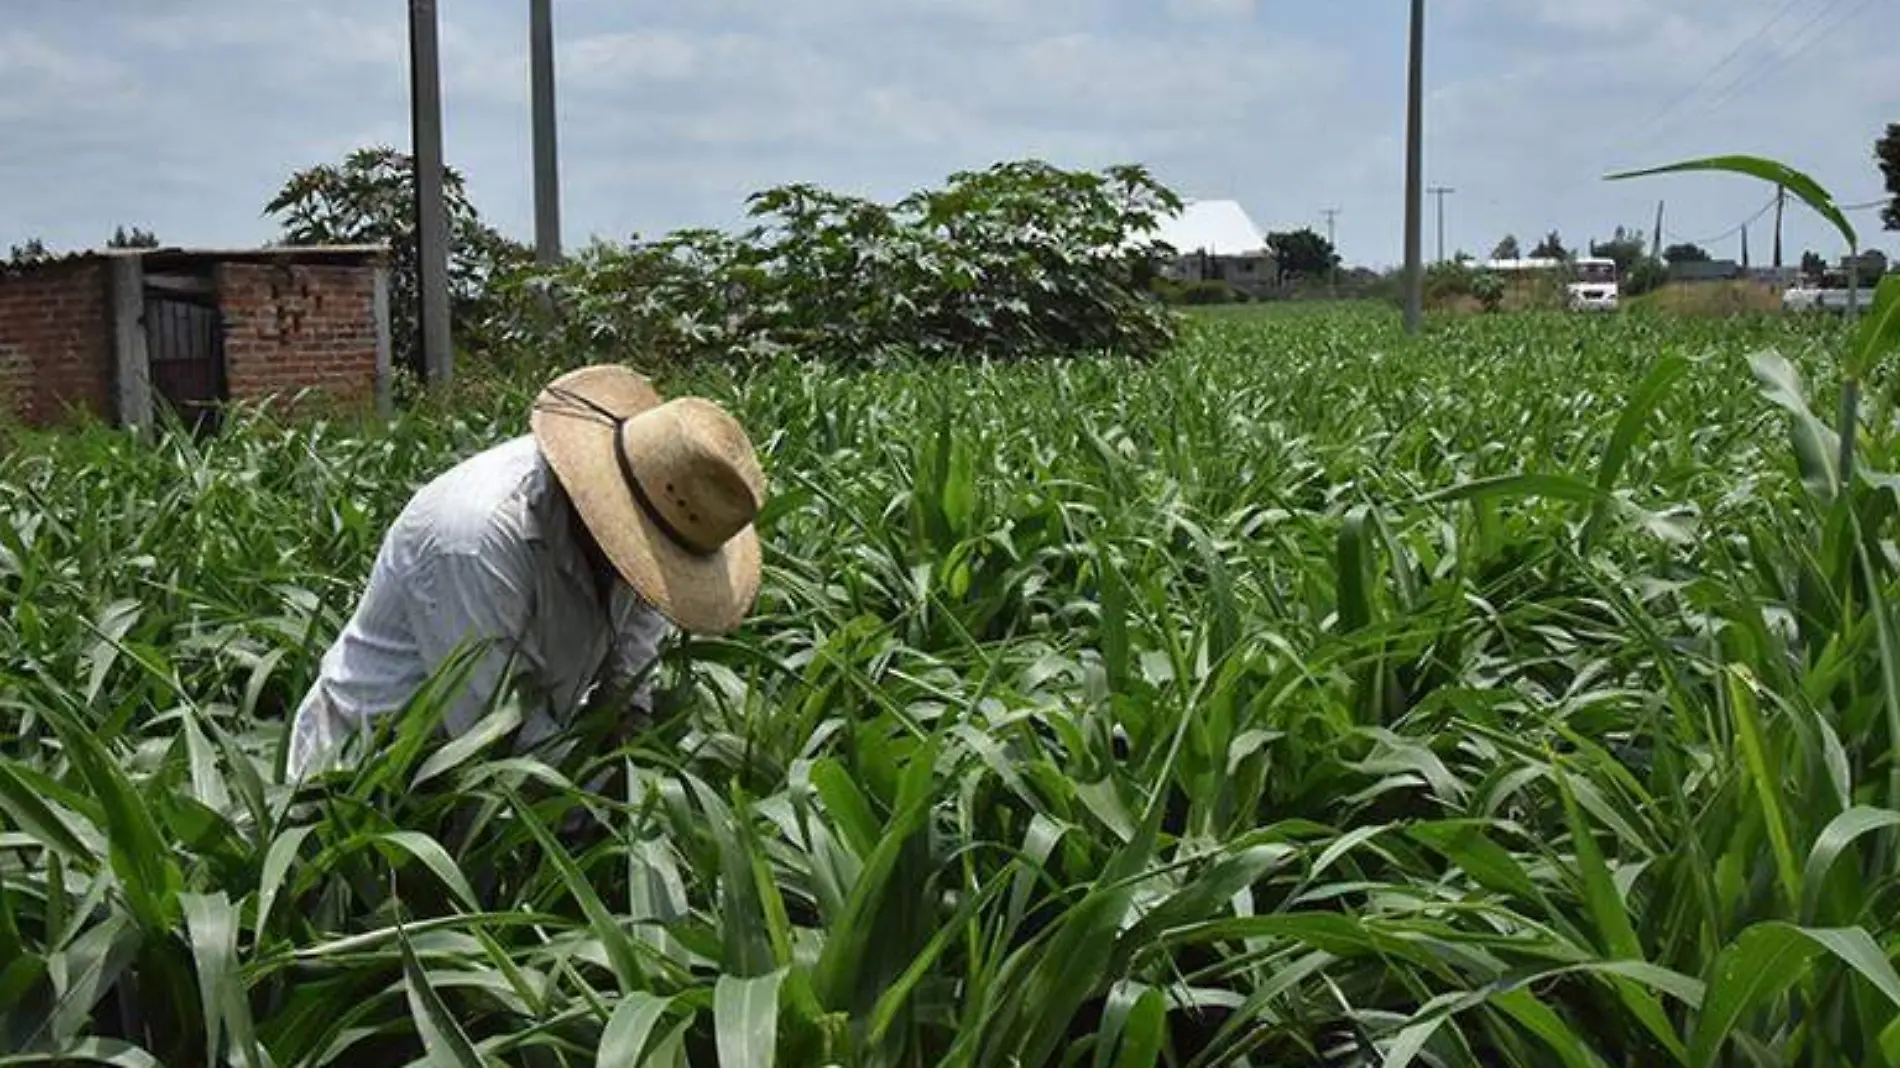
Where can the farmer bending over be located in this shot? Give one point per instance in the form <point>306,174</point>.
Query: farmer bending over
<point>565,554</point>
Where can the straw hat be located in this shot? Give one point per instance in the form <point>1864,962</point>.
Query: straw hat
<point>668,488</point>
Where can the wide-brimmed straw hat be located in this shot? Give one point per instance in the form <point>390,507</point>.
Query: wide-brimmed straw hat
<point>668,488</point>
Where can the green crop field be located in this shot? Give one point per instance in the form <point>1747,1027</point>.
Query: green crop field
<point>1521,695</point>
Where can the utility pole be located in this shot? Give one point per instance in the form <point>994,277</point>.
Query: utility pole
<point>547,187</point>
<point>1744,246</point>
<point>1414,170</point>
<point>1781,198</point>
<point>1655,241</point>
<point>1332,282</point>
<point>1438,193</point>
<point>432,261</point>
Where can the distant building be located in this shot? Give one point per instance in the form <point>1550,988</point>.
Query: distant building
<point>1873,263</point>
<point>1705,271</point>
<point>1217,240</point>
<point>118,334</point>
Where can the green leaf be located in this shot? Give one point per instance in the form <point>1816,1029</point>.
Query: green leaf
<point>1763,962</point>
<point>212,925</point>
<point>1145,1031</point>
<point>1567,1045</point>
<point>437,860</point>
<point>846,804</point>
<point>625,1037</point>
<point>1464,843</point>
<point>505,717</point>
<point>1815,444</point>
<point>1767,783</point>
<point>277,861</point>
<point>621,954</point>
<point>1768,170</point>
<point>30,812</point>
<point>107,1051</point>
<point>1879,331</point>
<point>1650,392</point>
<point>147,870</point>
<point>1614,932</point>
<point>745,1020</point>
<point>442,1037</point>
<point>1840,832</point>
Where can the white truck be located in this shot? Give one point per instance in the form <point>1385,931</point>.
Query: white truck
<point>1596,287</point>
<point>1590,282</point>
<point>1828,293</point>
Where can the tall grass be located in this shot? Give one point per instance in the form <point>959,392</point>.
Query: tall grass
<point>1520,695</point>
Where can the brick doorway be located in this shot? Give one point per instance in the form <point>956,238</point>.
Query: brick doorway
<point>184,340</point>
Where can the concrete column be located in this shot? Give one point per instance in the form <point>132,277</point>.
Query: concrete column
<point>385,399</point>
<point>131,363</point>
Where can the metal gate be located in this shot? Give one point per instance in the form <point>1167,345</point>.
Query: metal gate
<point>185,341</point>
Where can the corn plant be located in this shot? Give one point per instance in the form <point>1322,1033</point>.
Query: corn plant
<point>1520,694</point>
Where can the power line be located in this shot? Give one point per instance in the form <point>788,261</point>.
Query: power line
<point>1800,43</point>
<point>1710,74</point>
<point>1731,231</point>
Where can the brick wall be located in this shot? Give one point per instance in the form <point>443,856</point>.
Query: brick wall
<point>56,343</point>
<point>295,327</point>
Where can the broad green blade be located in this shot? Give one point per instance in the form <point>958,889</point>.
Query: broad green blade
<point>745,1020</point>
<point>1768,170</point>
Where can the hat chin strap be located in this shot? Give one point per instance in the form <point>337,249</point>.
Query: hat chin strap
<point>646,502</point>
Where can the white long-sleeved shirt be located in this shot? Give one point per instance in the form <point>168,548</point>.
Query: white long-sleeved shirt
<point>486,551</point>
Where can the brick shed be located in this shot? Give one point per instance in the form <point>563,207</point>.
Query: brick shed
<point>115,334</point>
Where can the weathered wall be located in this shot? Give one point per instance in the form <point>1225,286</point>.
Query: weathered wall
<point>296,327</point>
<point>56,343</point>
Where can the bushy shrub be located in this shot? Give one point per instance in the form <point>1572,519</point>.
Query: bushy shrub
<point>1645,276</point>
<point>1020,259</point>
<point>369,197</point>
<point>1489,289</point>
<point>1446,282</point>
<point>1202,292</point>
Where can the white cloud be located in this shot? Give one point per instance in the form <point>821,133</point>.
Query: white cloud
<point>186,118</point>
<point>1215,9</point>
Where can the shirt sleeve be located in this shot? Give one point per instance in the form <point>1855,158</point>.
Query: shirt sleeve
<point>475,600</point>
<point>638,632</point>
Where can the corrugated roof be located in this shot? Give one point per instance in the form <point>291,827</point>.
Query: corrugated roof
<point>173,255</point>
<point>1217,227</point>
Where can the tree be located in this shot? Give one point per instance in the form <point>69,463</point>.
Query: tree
<point>1686,253</point>
<point>1813,264</point>
<point>136,239</point>
<point>1551,248</point>
<point>370,198</point>
<point>1646,275</point>
<point>33,251</point>
<point>1625,247</point>
<point>1887,151</point>
<point>1301,253</point>
<point>1507,249</point>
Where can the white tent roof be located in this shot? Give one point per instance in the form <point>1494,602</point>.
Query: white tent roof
<point>1218,227</point>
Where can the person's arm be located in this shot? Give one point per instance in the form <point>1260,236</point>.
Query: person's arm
<point>473,599</point>
<point>638,634</point>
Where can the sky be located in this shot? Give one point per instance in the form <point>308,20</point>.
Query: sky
<point>185,116</point>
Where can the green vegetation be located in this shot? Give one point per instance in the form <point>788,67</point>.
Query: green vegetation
<point>1304,693</point>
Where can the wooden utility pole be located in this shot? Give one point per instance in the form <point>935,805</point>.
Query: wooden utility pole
<point>432,225</point>
<point>1438,193</point>
<point>1781,198</point>
<point>1332,272</point>
<point>1655,241</point>
<point>1414,171</point>
<point>547,186</point>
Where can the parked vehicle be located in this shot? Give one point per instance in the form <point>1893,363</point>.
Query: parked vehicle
<point>1590,282</point>
<point>1827,293</point>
